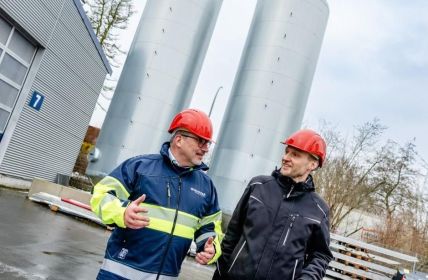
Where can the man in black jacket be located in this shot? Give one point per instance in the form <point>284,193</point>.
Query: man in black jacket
<point>280,227</point>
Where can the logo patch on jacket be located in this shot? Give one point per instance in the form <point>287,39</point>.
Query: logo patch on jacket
<point>123,253</point>
<point>202,194</point>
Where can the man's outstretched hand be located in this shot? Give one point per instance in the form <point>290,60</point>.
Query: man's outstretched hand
<point>207,254</point>
<point>133,217</point>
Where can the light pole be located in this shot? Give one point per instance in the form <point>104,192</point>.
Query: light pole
<point>215,97</point>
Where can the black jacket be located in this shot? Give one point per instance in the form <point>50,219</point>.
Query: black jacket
<point>279,230</point>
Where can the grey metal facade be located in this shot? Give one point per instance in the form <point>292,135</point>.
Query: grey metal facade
<point>68,69</point>
<point>270,92</point>
<point>158,78</point>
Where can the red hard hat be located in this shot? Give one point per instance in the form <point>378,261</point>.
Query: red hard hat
<point>195,121</point>
<point>308,141</point>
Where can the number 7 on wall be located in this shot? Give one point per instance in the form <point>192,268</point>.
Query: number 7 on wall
<point>36,100</point>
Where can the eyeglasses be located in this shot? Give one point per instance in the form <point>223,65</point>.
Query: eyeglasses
<point>201,141</point>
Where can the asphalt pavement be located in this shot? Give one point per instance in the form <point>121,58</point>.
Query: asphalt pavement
<point>38,243</point>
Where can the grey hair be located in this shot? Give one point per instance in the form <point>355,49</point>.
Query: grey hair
<point>175,132</point>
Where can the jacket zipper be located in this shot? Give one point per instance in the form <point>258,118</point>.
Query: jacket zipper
<point>291,190</point>
<point>218,267</point>
<point>168,194</point>
<point>293,217</point>
<point>295,267</point>
<point>172,230</point>
<point>237,255</point>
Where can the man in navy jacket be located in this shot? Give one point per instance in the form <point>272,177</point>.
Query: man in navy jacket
<point>159,204</point>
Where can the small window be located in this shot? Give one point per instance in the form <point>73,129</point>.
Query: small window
<point>8,94</point>
<point>21,47</point>
<point>13,69</point>
<point>4,116</point>
<point>5,29</point>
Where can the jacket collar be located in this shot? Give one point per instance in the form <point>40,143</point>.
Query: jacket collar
<point>292,188</point>
<point>180,170</point>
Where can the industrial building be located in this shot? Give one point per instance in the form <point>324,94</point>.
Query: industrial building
<point>52,69</point>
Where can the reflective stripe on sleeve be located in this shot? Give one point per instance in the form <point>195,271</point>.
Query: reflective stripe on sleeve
<point>216,220</point>
<point>106,199</point>
<point>205,236</point>
<point>108,207</point>
<point>216,217</point>
<point>109,183</point>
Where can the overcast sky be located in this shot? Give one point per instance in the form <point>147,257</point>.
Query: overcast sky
<point>373,64</point>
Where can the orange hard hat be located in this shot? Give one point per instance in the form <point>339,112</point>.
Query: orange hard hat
<point>308,141</point>
<point>194,121</point>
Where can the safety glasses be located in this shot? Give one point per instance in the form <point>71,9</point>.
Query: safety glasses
<point>201,142</point>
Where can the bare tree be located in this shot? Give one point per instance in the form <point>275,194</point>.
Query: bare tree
<point>397,178</point>
<point>403,204</point>
<point>108,19</point>
<point>382,180</point>
<point>345,179</point>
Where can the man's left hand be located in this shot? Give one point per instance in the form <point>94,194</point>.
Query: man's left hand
<point>207,254</point>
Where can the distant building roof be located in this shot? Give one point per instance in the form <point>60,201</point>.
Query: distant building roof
<point>93,36</point>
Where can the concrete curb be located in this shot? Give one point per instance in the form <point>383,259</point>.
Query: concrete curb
<point>40,185</point>
<point>14,183</point>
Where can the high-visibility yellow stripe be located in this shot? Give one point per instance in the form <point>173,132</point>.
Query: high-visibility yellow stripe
<point>168,214</point>
<point>217,240</point>
<point>113,213</point>
<point>166,226</point>
<point>210,219</point>
<point>162,219</point>
<point>109,209</point>
<point>172,210</point>
<point>104,201</point>
<point>109,183</point>
<point>107,206</point>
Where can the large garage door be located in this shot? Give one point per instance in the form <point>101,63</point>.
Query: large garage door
<point>16,54</point>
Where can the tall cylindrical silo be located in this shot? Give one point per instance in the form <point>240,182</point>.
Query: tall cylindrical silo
<point>158,78</point>
<point>269,94</point>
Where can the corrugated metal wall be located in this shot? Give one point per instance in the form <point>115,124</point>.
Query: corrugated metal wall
<point>70,76</point>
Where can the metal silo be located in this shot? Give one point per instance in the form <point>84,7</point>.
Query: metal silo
<point>270,92</point>
<point>158,78</point>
